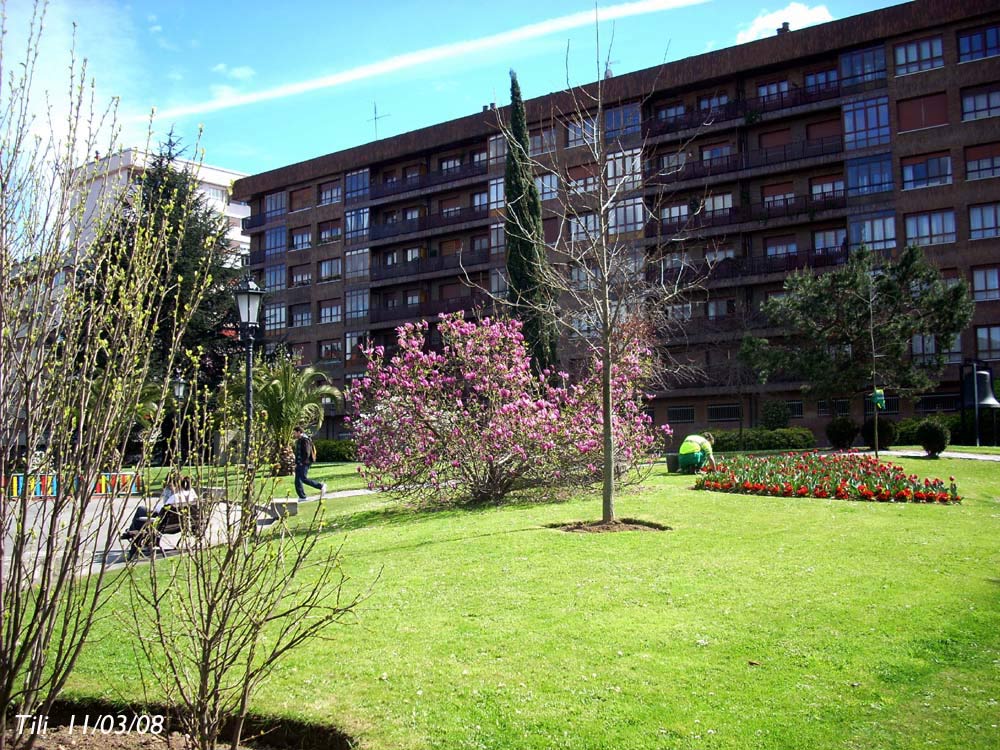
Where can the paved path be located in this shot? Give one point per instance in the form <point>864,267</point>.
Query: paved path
<point>945,454</point>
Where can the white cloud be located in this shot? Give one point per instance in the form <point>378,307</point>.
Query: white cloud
<point>155,29</point>
<point>220,68</point>
<point>798,16</point>
<point>432,55</point>
<point>239,73</point>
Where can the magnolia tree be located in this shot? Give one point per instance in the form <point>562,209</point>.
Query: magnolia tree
<point>473,421</point>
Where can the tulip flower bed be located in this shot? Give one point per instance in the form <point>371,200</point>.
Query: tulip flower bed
<point>843,476</point>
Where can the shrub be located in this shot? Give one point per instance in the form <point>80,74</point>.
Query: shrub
<point>886,433</point>
<point>335,451</point>
<point>933,437</point>
<point>906,431</point>
<point>775,415</point>
<point>759,439</point>
<point>841,432</point>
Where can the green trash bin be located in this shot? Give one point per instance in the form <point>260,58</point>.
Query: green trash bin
<point>672,463</point>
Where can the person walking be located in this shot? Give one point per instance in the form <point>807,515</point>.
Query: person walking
<point>694,452</point>
<point>305,454</point>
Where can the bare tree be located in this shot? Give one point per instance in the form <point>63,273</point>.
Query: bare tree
<point>81,292</point>
<point>610,265</point>
<point>211,623</point>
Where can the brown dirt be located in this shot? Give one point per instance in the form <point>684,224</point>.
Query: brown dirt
<point>62,738</point>
<point>599,527</point>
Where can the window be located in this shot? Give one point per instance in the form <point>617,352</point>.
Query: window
<point>719,254</point>
<point>330,192</point>
<point>411,214</point>
<point>926,170</point>
<point>981,102</point>
<point>498,281</point>
<point>450,206</point>
<point>825,131</point>
<point>275,242</point>
<point>547,186</point>
<point>356,223</point>
<point>621,121</point>
<point>984,221</point>
<point>924,350</point>
<point>988,342</point>
<point>673,261</point>
<point>479,158</point>
<point>777,195</point>
<point>862,65</point>
<point>411,174</point>
<point>542,141</point>
<point>680,414</point>
<point>725,413</point>
<point>719,203</point>
<point>625,168</point>
<point>829,239</point>
<point>329,231</point>
<point>978,43</point>
<point>680,311</point>
<point>830,186</point>
<point>300,199</point>
<point>922,112</point>
<point>353,340</point>
<point>357,184</point>
<point>215,193</point>
<point>675,214</point>
<point>390,258</point>
<point>986,284</point>
<point>582,228</point>
<point>413,298</point>
<point>274,278</point>
<point>876,232</point>
<point>497,199</point>
<point>356,303</point>
<point>786,245</point>
<point>329,270</point>
<point>451,164</point>
<point>331,350</point>
<point>982,161</point>
<point>582,179</point>
<point>932,228</point>
<point>840,407</point>
<point>412,254</point>
<point>772,90</point>
<point>480,243</point>
<point>720,308</point>
<point>498,242</point>
<point>869,175</point>
<point>581,131</point>
<point>716,151</point>
<point>821,79</point>
<point>301,238</point>
<point>356,262</point>
<point>670,112</point>
<point>714,103</point>
<point>794,408</point>
<point>866,123</point>
<point>923,54</point>
<point>627,216</point>
<point>497,149</point>
<point>274,205</point>
<point>672,163</point>
<point>891,405</point>
<point>480,201</point>
<point>330,311</point>
<point>302,275</point>
<point>776,139</point>
<point>301,316</point>
<point>274,317</point>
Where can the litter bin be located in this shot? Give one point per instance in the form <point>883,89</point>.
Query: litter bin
<point>673,463</point>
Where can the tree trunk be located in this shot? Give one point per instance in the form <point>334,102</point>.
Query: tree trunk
<point>607,417</point>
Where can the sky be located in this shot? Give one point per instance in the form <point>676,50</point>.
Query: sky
<point>260,85</point>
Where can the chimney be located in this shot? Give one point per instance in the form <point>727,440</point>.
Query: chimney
<point>784,28</point>
<point>486,108</point>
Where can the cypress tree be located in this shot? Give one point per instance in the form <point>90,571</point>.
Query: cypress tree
<point>532,297</point>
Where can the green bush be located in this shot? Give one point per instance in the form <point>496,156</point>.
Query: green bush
<point>759,439</point>
<point>933,437</point>
<point>775,415</point>
<point>906,431</point>
<point>335,451</point>
<point>886,433</point>
<point>841,432</point>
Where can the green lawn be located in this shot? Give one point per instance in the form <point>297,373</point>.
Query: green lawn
<point>336,476</point>
<point>756,623</point>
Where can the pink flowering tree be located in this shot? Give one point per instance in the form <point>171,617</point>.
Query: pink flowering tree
<point>472,421</point>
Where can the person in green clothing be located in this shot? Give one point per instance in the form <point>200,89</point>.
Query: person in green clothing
<point>694,452</point>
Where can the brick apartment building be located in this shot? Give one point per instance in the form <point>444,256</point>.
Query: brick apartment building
<point>881,128</point>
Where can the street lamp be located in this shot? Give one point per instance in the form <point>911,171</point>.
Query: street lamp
<point>248,296</point>
<point>180,387</point>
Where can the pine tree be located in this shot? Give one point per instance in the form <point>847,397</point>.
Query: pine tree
<point>533,300</point>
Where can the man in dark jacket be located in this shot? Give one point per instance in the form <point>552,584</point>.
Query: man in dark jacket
<point>305,454</point>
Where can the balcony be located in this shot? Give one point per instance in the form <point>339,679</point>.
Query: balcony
<point>429,265</point>
<point>430,179</point>
<point>748,160</point>
<point>792,98</point>
<point>432,221</point>
<point>427,309</point>
<point>255,220</point>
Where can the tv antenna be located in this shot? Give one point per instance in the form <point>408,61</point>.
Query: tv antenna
<point>376,117</point>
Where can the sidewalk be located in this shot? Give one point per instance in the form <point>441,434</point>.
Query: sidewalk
<point>945,454</point>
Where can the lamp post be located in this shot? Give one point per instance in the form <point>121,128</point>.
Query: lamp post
<point>180,391</point>
<point>248,296</point>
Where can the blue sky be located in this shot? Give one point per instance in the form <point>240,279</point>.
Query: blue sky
<point>272,84</point>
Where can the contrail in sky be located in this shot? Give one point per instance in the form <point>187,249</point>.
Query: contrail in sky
<point>431,54</point>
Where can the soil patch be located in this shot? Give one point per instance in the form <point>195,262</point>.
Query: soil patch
<point>600,527</point>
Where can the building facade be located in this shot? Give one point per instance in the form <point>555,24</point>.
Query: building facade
<point>880,129</point>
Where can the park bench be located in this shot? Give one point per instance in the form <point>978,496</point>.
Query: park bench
<point>188,519</point>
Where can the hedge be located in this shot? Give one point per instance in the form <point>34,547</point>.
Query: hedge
<point>335,451</point>
<point>759,439</point>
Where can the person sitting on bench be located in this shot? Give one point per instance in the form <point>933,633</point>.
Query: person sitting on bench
<point>177,491</point>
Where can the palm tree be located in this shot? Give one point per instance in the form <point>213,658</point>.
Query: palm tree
<point>287,395</point>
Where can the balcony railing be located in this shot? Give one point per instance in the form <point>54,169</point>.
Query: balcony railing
<point>748,160</point>
<point>429,265</point>
<point>428,180</point>
<point>254,220</point>
<point>432,221</point>
<point>427,309</point>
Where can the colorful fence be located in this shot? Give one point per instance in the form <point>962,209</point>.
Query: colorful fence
<point>47,485</point>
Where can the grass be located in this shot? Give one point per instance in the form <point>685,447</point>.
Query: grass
<point>756,623</point>
<point>339,476</point>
